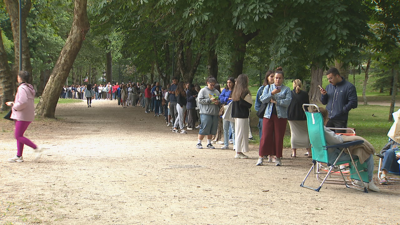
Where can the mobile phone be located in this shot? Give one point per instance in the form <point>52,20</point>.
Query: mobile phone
<point>320,87</point>
<point>278,87</point>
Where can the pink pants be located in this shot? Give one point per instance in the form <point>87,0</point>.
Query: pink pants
<point>20,128</point>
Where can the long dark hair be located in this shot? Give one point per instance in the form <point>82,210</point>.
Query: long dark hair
<point>25,76</point>
<point>269,72</point>
<point>180,90</point>
<point>231,79</point>
<point>89,87</point>
<point>241,87</point>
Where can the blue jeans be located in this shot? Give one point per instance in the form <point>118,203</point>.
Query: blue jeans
<point>346,157</point>
<point>228,125</point>
<point>157,104</point>
<point>390,162</point>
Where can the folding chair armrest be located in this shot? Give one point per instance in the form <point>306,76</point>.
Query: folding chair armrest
<point>346,144</point>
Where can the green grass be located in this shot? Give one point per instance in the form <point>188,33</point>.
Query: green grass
<point>62,100</point>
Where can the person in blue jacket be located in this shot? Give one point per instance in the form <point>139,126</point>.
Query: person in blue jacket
<point>340,97</point>
<point>225,98</point>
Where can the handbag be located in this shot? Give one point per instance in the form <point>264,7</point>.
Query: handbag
<point>221,110</point>
<point>8,116</point>
<point>261,111</point>
<point>228,113</point>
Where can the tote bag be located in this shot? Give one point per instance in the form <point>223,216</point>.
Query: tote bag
<point>394,132</point>
<point>228,113</point>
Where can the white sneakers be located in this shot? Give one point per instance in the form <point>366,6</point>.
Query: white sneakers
<point>17,159</point>
<point>38,152</point>
<point>371,185</point>
<point>259,162</point>
<point>241,156</point>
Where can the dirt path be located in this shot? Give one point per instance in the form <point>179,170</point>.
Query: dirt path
<point>109,165</point>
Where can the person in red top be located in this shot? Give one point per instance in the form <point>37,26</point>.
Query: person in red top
<point>147,98</point>
<point>114,90</point>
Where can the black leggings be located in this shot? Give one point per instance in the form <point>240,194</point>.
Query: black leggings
<point>89,100</point>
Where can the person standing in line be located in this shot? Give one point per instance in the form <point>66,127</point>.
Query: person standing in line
<point>297,119</point>
<point>124,95</point>
<point>23,113</point>
<point>172,99</point>
<point>340,96</point>
<point>269,79</point>
<point>134,94</point>
<point>209,109</point>
<point>89,93</point>
<point>278,97</point>
<point>114,91</point>
<point>220,131</point>
<point>96,91</point>
<point>226,98</point>
<point>180,95</point>
<point>130,95</point>
<point>142,88</point>
<point>157,100</point>
<point>147,97</point>
<point>191,107</point>
<point>100,88</point>
<point>241,105</point>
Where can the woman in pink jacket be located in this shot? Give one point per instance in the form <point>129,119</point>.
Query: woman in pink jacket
<point>23,113</point>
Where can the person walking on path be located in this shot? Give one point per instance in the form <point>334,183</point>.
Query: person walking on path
<point>278,97</point>
<point>209,109</point>
<point>340,96</point>
<point>241,104</point>
<point>23,113</point>
<point>89,93</point>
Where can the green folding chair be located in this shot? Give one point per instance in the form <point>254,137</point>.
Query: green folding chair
<point>315,125</point>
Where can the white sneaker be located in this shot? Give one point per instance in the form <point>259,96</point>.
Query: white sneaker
<point>38,152</point>
<point>16,159</point>
<point>210,146</point>
<point>174,130</point>
<point>198,126</point>
<point>189,128</point>
<point>278,162</point>
<point>183,132</point>
<point>372,187</point>
<point>199,146</point>
<point>168,124</point>
<point>220,142</point>
<point>231,141</point>
<point>259,162</point>
<point>225,147</point>
<point>241,156</point>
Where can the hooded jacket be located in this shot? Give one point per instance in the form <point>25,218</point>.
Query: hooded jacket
<point>340,99</point>
<point>24,107</point>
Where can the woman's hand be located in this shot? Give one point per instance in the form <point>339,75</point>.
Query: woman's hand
<point>9,103</point>
<point>398,156</point>
<point>273,101</point>
<point>215,101</point>
<point>276,91</point>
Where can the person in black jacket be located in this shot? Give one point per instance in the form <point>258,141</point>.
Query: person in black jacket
<point>297,119</point>
<point>180,95</point>
<point>241,104</point>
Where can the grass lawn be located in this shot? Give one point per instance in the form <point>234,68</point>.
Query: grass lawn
<point>62,100</point>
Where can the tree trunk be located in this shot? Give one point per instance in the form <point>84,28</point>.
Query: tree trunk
<point>394,92</point>
<point>187,66</point>
<point>366,70</point>
<point>212,65</point>
<point>342,70</point>
<point>240,41</point>
<point>109,67</point>
<point>316,79</point>
<point>13,12</point>
<point>6,78</point>
<point>44,77</point>
<point>80,26</point>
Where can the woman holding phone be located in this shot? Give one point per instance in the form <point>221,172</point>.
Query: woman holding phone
<point>278,97</point>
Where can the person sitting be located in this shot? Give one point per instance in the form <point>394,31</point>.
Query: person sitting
<point>333,139</point>
<point>390,163</point>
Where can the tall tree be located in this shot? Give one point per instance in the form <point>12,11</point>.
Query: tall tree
<point>6,78</point>
<point>80,26</point>
<point>13,12</point>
